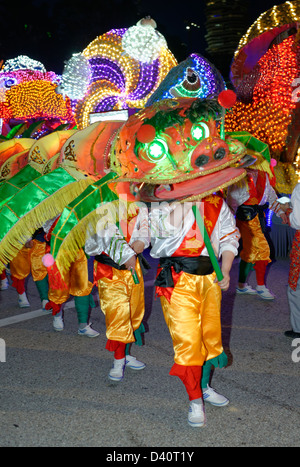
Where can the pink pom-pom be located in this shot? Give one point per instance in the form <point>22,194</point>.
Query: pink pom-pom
<point>273,162</point>
<point>48,260</point>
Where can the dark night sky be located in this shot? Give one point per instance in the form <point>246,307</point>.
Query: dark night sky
<point>50,31</point>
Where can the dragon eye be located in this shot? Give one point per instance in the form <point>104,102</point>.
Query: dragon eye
<point>200,131</point>
<point>157,150</point>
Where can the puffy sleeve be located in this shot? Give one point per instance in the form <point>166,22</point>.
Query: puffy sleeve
<point>111,242</point>
<point>141,229</point>
<point>229,234</point>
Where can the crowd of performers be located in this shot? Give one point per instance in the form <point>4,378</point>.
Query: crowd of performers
<point>186,282</point>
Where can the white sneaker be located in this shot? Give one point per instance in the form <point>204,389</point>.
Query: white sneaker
<point>133,363</point>
<point>58,323</point>
<point>211,396</point>
<point>196,415</point>
<point>117,371</point>
<point>88,331</point>
<point>247,290</point>
<point>264,293</point>
<point>23,302</point>
<point>4,284</point>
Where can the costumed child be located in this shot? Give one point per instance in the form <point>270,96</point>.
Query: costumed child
<point>248,200</point>
<point>74,282</point>
<point>293,290</point>
<point>190,293</point>
<point>29,260</point>
<point>119,278</point>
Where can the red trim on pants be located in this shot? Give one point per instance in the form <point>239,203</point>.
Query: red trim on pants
<point>18,284</point>
<point>260,270</point>
<point>3,275</point>
<point>117,347</point>
<point>191,378</point>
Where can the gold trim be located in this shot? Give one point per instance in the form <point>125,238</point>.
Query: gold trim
<point>184,177</point>
<point>213,190</point>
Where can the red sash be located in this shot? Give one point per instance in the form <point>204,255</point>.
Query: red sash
<point>256,190</point>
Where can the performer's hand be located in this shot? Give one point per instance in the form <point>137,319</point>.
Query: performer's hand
<point>284,218</point>
<point>285,206</point>
<point>225,282</point>
<point>29,244</point>
<point>138,246</point>
<point>130,263</point>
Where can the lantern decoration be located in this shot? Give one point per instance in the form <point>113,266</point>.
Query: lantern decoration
<point>118,80</point>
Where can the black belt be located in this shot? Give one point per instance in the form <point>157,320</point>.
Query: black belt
<point>247,213</point>
<point>104,259</point>
<point>198,265</point>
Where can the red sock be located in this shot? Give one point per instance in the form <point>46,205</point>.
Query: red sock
<point>260,270</point>
<point>117,347</point>
<point>191,378</point>
<point>18,284</point>
<point>53,306</point>
<point>3,275</point>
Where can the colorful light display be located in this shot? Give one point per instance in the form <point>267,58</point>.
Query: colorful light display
<point>29,94</point>
<point>119,81</point>
<point>194,77</point>
<point>76,77</point>
<point>142,42</point>
<point>286,13</point>
<point>265,106</point>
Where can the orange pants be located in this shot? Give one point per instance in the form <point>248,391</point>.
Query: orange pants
<point>29,260</point>
<point>123,304</point>
<point>76,281</point>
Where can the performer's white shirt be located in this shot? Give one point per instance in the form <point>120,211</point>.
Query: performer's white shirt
<point>167,234</point>
<point>112,242</point>
<point>295,203</point>
<point>239,194</point>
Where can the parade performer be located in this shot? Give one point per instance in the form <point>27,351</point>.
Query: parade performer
<point>170,151</point>
<point>29,261</point>
<point>190,294</point>
<point>293,290</point>
<point>248,200</point>
<point>75,281</point>
<point>118,274</point>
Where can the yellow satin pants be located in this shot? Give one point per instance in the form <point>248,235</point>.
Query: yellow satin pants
<point>255,245</point>
<point>29,260</point>
<point>123,304</point>
<point>193,317</point>
<point>76,280</point>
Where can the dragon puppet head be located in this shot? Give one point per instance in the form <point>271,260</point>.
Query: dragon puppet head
<point>172,150</point>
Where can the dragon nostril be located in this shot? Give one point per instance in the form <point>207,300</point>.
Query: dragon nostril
<point>219,154</point>
<point>201,160</point>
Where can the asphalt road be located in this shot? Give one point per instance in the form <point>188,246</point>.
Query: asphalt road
<point>54,389</point>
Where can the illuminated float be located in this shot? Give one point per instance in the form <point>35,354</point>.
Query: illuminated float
<point>28,96</point>
<point>118,70</point>
<point>265,73</point>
